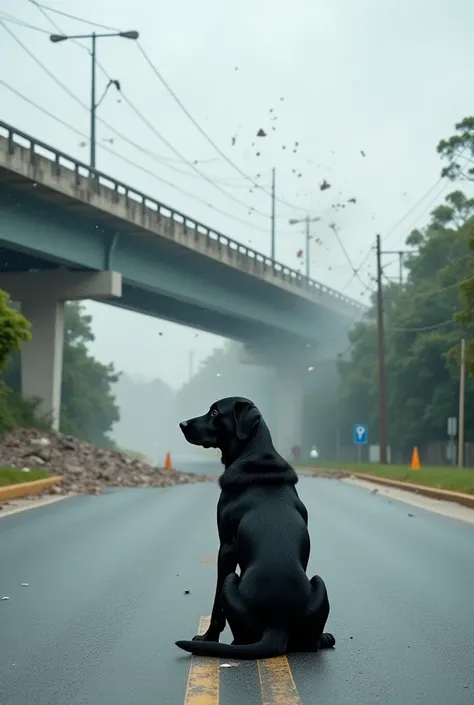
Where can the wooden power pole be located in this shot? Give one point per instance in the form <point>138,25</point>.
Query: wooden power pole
<point>381,360</point>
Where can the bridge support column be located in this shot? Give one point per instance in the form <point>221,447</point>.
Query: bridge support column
<point>42,296</point>
<point>289,410</point>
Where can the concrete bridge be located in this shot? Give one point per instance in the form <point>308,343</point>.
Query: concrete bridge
<point>69,232</point>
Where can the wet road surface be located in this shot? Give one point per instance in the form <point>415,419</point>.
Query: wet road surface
<point>106,600</point>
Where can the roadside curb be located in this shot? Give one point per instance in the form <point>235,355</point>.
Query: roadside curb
<point>467,500</point>
<point>23,489</point>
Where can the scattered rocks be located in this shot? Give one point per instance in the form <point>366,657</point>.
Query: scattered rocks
<point>85,468</point>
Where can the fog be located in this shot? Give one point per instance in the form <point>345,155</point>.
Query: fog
<point>349,94</point>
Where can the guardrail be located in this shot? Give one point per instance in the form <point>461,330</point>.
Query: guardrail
<point>98,179</point>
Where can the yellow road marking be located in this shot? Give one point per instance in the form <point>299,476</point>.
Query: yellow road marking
<point>203,680</point>
<point>277,685</point>
<point>209,560</point>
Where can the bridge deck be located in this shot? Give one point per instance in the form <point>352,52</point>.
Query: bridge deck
<point>27,164</point>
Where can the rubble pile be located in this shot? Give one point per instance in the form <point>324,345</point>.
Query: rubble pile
<point>84,467</point>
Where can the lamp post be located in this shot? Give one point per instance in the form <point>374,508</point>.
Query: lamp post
<point>307,220</point>
<point>55,38</point>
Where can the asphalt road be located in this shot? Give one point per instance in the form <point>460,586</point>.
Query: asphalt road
<point>106,600</point>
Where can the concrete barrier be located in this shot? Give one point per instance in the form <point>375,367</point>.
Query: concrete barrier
<point>23,489</point>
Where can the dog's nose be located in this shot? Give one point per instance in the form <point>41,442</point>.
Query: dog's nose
<point>183,424</point>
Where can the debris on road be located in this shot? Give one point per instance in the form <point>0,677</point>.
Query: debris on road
<point>187,592</point>
<point>24,585</point>
<point>5,597</point>
<point>84,467</point>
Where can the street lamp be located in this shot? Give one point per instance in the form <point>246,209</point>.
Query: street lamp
<point>307,220</point>
<point>56,38</point>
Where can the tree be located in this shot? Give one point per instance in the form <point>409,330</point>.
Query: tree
<point>88,406</point>
<point>421,337</point>
<point>14,329</point>
<point>458,151</point>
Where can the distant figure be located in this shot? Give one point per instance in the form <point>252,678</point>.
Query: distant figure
<point>313,453</point>
<point>296,452</point>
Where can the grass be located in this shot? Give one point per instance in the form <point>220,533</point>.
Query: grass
<point>446,478</point>
<point>12,476</point>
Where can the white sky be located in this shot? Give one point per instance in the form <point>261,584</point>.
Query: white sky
<point>389,77</point>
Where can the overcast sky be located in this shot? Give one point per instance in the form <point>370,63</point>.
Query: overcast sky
<point>335,78</point>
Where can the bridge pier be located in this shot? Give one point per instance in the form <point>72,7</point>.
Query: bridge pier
<point>291,369</point>
<point>42,295</point>
<point>289,389</point>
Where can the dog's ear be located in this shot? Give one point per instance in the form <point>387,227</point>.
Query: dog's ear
<point>246,417</point>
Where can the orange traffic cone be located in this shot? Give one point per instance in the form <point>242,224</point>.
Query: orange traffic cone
<point>415,460</point>
<point>168,463</point>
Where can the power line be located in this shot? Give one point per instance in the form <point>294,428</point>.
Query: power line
<point>9,18</point>
<point>251,209</point>
<point>129,161</point>
<point>401,220</point>
<point>208,138</point>
<point>423,328</point>
<point>80,102</point>
<point>40,6</point>
<point>346,254</point>
<point>181,105</point>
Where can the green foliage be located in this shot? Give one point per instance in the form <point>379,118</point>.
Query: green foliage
<point>88,408</point>
<point>458,151</point>
<point>422,337</point>
<point>14,329</point>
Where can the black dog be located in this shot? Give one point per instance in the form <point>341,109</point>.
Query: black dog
<point>272,608</point>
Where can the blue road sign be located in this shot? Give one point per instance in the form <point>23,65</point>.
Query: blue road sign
<point>361,434</point>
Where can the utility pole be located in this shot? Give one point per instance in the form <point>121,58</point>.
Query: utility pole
<point>308,253</point>
<point>55,38</point>
<point>381,360</point>
<point>273,214</point>
<point>307,220</point>
<point>462,387</point>
<point>401,254</point>
<point>93,102</point>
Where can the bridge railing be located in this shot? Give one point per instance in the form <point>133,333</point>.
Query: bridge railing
<point>98,179</point>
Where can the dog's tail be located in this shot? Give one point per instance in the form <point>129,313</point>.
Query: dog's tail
<point>274,642</point>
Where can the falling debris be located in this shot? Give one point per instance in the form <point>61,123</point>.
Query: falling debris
<point>236,68</point>
<point>233,140</point>
<point>261,133</point>
<point>281,100</point>
<point>187,592</point>
<point>362,152</point>
<point>410,515</point>
<point>324,185</point>
<point>352,200</point>
<point>299,254</point>
<point>24,585</point>
<point>5,597</point>
<point>257,154</point>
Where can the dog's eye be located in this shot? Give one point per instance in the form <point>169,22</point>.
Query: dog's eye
<point>214,412</point>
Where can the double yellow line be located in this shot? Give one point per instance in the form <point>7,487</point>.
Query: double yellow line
<point>277,686</point>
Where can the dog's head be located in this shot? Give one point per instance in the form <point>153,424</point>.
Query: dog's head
<point>229,425</point>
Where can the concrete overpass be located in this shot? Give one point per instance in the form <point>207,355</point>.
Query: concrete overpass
<point>68,232</point>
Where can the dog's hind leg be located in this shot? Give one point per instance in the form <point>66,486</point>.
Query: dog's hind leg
<point>236,612</point>
<point>309,634</point>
